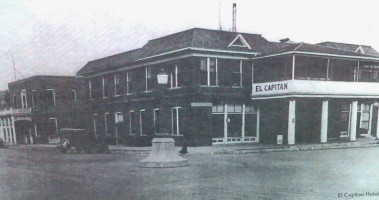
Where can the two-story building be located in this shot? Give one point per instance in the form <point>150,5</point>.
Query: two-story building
<point>229,87</point>
<point>40,106</point>
<point>208,97</point>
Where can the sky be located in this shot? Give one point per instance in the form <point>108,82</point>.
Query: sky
<point>49,37</point>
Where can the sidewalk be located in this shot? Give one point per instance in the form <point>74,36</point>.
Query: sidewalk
<point>228,148</point>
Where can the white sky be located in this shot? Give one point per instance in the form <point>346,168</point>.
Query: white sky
<point>52,37</point>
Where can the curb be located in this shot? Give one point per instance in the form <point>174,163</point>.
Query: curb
<point>223,151</point>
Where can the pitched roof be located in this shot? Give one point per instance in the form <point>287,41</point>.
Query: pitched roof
<point>351,47</point>
<point>192,38</point>
<point>312,48</point>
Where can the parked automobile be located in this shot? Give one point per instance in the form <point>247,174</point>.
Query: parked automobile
<point>79,140</point>
<point>3,144</point>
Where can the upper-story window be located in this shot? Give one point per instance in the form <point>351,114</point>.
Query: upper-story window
<point>90,89</point>
<point>34,98</point>
<point>24,102</point>
<point>369,72</point>
<point>117,84</point>
<point>96,87</point>
<point>73,95</point>
<point>208,71</point>
<point>221,72</point>
<point>272,69</point>
<point>342,70</point>
<point>311,68</point>
<point>14,101</point>
<point>229,72</point>
<point>50,97</point>
<point>136,80</point>
<point>148,78</point>
<point>105,87</point>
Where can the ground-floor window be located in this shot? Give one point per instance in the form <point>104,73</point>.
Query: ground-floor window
<point>106,122</point>
<point>156,120</point>
<point>95,125</point>
<point>132,122</point>
<point>365,116</point>
<point>142,122</point>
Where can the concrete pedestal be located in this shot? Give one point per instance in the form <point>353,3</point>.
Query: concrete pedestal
<point>163,155</point>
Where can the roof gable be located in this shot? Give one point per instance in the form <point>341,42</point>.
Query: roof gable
<point>360,50</point>
<point>239,41</point>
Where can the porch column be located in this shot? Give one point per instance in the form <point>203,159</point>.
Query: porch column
<point>324,121</point>
<point>243,122</point>
<point>1,129</point>
<point>14,131</point>
<point>377,125</point>
<point>9,131</point>
<point>353,123</point>
<point>291,122</point>
<point>258,116</point>
<point>226,123</point>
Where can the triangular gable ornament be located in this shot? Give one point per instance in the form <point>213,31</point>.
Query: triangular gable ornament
<point>239,41</point>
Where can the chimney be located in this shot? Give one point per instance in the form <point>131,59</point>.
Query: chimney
<point>234,25</point>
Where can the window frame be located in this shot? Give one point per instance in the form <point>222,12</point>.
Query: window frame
<point>54,100</point>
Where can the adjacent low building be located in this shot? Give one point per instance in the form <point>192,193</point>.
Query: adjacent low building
<point>39,107</point>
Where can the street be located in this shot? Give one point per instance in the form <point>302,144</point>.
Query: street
<point>42,174</point>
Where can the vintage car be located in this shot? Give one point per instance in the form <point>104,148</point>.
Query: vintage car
<point>3,144</point>
<point>78,140</point>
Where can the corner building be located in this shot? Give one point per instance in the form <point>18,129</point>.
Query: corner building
<point>229,87</point>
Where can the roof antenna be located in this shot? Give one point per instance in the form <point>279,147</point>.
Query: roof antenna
<point>14,69</point>
<point>234,27</point>
<point>219,15</point>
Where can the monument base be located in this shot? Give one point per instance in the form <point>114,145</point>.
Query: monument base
<point>163,155</point>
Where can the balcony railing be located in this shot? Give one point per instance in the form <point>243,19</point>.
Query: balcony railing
<point>19,111</point>
<point>316,88</point>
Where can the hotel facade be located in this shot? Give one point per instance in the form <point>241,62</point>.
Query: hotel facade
<point>230,87</point>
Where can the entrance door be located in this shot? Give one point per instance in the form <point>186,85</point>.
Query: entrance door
<point>234,125</point>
